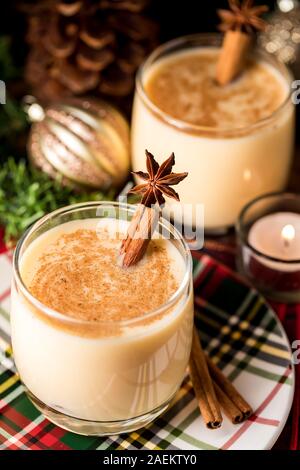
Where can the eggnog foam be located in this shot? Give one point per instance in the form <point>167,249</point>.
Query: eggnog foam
<point>184,86</point>
<point>73,269</point>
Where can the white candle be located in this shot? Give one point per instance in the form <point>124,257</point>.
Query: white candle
<point>277,235</point>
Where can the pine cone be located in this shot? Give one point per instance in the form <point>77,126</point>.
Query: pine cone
<point>86,46</point>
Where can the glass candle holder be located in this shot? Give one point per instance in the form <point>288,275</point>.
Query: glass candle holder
<point>268,232</point>
<point>227,167</point>
<point>100,377</point>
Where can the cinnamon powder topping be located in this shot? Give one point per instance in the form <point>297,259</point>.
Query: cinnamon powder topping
<point>184,87</point>
<point>78,276</point>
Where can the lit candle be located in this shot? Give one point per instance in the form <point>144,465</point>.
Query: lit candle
<point>288,234</point>
<point>268,233</point>
<point>277,236</point>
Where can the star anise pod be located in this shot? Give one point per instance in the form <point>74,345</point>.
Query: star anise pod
<point>158,181</point>
<point>243,16</point>
<point>144,222</point>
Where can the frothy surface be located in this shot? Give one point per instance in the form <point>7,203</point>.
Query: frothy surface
<point>184,87</point>
<point>73,270</point>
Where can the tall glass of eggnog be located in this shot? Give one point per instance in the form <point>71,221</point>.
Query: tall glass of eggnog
<point>236,141</point>
<point>100,349</point>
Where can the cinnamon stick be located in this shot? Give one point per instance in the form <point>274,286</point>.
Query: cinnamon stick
<point>203,386</point>
<point>213,390</point>
<point>139,234</point>
<point>239,24</point>
<point>235,47</point>
<point>227,387</point>
<point>212,420</point>
<point>230,409</point>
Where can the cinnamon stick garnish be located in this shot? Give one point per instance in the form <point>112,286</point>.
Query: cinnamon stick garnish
<point>229,389</point>
<point>232,56</point>
<point>139,234</point>
<point>157,183</point>
<point>203,386</point>
<point>239,24</point>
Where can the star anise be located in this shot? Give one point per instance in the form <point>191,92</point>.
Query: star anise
<point>158,181</point>
<point>243,16</point>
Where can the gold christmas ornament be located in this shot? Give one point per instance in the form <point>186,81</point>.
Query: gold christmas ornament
<point>85,141</point>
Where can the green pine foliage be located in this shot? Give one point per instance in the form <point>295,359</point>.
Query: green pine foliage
<point>26,194</point>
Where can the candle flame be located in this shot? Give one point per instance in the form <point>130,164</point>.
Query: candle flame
<point>288,233</point>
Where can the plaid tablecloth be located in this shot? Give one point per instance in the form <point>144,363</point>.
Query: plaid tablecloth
<point>224,251</point>
<point>23,427</point>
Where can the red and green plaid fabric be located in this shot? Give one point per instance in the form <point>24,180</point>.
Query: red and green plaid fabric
<point>224,250</point>
<point>237,327</point>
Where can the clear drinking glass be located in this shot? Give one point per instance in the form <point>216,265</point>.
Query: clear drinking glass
<point>98,378</point>
<point>228,167</point>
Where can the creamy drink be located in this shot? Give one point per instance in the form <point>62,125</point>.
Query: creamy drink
<point>235,141</point>
<point>100,348</point>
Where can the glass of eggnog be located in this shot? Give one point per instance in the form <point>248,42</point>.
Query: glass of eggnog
<point>236,141</point>
<point>100,349</point>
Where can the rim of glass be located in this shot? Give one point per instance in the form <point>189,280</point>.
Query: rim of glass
<point>198,129</point>
<point>243,234</point>
<point>184,284</point>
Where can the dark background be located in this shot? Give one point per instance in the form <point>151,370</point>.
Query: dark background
<point>176,17</point>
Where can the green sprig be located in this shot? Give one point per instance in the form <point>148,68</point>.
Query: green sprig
<point>26,194</point>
